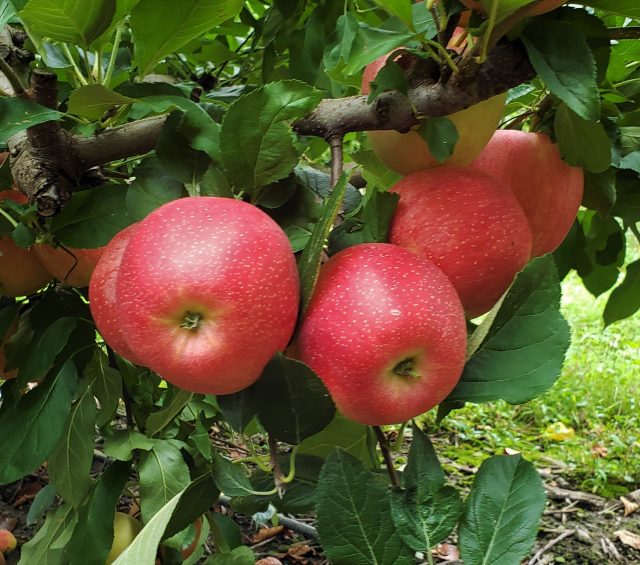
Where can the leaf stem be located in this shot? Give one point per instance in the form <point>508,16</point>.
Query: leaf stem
<point>335,143</point>
<point>114,55</point>
<point>14,80</point>
<point>255,456</point>
<point>9,218</point>
<point>76,68</point>
<point>386,455</point>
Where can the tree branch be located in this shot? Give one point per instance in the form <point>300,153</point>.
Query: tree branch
<point>386,455</point>
<point>432,93</point>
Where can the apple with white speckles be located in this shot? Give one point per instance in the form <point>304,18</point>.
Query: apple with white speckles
<point>102,294</point>
<point>470,225</point>
<point>207,292</point>
<point>548,189</point>
<point>386,333</point>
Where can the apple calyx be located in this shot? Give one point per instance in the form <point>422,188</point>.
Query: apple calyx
<point>192,321</point>
<point>407,368</point>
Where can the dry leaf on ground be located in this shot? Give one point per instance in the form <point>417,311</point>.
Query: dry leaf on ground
<point>266,533</point>
<point>628,538</point>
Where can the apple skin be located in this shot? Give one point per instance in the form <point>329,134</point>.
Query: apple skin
<point>549,190</point>
<point>542,8</point>
<point>21,272</point>
<point>470,225</point>
<point>374,306</point>
<point>407,153</point>
<point>73,267</point>
<point>208,292</point>
<point>125,530</point>
<point>102,294</point>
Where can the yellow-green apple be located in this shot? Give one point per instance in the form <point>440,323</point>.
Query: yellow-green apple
<point>21,272</point>
<point>470,225</point>
<point>540,8</point>
<point>549,190</point>
<point>102,294</point>
<point>125,530</point>
<point>408,152</point>
<point>71,265</point>
<point>386,333</point>
<point>207,293</point>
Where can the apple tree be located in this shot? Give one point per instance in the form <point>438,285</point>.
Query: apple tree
<point>115,109</point>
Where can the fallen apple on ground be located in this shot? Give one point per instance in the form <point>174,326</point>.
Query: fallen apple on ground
<point>549,190</point>
<point>207,293</point>
<point>125,530</point>
<point>470,225</point>
<point>386,333</point>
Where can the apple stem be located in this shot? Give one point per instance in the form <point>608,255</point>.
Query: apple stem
<point>406,368</point>
<point>386,455</point>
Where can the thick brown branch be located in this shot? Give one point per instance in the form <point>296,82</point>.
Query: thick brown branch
<point>507,66</point>
<point>135,138</point>
<point>631,32</point>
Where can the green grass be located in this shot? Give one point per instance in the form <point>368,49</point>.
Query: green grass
<point>598,396</point>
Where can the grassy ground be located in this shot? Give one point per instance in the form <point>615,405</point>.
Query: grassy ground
<point>597,397</point>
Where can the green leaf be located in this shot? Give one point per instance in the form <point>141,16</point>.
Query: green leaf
<point>239,556</point>
<point>94,100</point>
<point>374,171</point>
<point>320,183</point>
<point>7,12</point>
<point>523,351</point>
<point>600,191</point>
<point>151,189</point>
<point>423,472</point>
<point>46,349</point>
<point>502,513</point>
<point>239,408</point>
<point>42,413</point>
<point>309,264</point>
<point>70,462</point>
<point>41,503</point>
<point>123,442</point>
<point>70,21</point>
<point>258,146</point>
<point>230,478</point>
<point>144,548</point>
<point>93,536</point>
<point>400,8</point>
<point>197,498</point>
<point>370,225</point>
<point>441,135</point>
<point>92,217</point>
<point>628,8</point>
<point>163,473</point>
<point>294,403</point>
<point>47,546</point>
<point>371,43</point>
<point>161,27</point>
<point>424,523</point>
<point>561,56</point>
<point>354,515</point>
<point>175,401</point>
<point>18,114</point>
<point>582,143</point>
<point>624,301</point>
<point>389,77</point>
<point>107,386</point>
<point>348,435</point>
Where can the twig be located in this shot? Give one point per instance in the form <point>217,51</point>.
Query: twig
<point>386,455</point>
<point>335,143</point>
<point>630,32</point>
<point>278,475</point>
<point>557,493</point>
<point>14,80</point>
<point>541,552</point>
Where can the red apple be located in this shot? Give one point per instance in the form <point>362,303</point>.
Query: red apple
<point>207,293</point>
<point>21,272</point>
<point>549,190</point>
<point>386,333</point>
<point>102,294</point>
<point>406,153</point>
<point>540,8</point>
<point>470,225</point>
<point>71,266</point>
